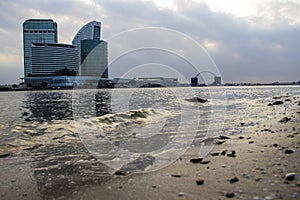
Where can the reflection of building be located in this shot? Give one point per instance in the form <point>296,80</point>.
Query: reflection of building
<point>92,50</point>
<point>49,58</point>
<point>94,58</point>
<point>36,31</point>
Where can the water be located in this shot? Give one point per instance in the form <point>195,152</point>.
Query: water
<point>34,108</point>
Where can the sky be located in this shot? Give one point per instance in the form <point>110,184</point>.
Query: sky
<point>249,40</point>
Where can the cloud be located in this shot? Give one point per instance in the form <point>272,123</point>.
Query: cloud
<point>264,44</point>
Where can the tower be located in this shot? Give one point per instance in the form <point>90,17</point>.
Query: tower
<point>36,31</point>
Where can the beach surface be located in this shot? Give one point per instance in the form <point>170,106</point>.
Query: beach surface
<point>261,162</point>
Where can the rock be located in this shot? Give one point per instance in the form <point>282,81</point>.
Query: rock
<point>275,103</point>
<point>204,162</point>
<point>6,154</point>
<point>223,137</point>
<point>181,194</point>
<point>289,151</point>
<point>223,153</point>
<point>230,195</point>
<point>199,182</point>
<point>196,160</point>
<point>233,180</point>
<point>120,173</point>
<point>197,99</point>
<point>214,153</point>
<point>290,176</point>
<point>285,120</point>
<point>232,154</point>
<point>176,175</point>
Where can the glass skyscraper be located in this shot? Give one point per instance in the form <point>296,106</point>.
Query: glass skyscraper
<point>94,58</point>
<point>92,50</point>
<point>36,31</point>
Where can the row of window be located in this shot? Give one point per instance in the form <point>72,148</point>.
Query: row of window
<point>39,31</point>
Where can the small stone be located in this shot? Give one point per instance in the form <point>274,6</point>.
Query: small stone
<point>120,173</point>
<point>285,119</point>
<point>223,153</point>
<point>242,123</point>
<point>275,145</point>
<point>199,182</point>
<point>223,137</point>
<point>233,180</point>
<point>290,176</point>
<point>232,154</point>
<point>176,175</point>
<point>230,194</point>
<point>251,142</point>
<point>204,162</point>
<point>181,194</point>
<point>214,153</point>
<point>289,151</point>
<point>196,160</point>
<point>269,198</point>
<point>241,137</point>
<point>275,103</point>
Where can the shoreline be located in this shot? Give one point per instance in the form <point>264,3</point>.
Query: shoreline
<point>61,168</point>
<point>264,155</point>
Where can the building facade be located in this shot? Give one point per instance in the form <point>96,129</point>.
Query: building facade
<point>47,59</point>
<point>94,60</point>
<point>36,31</point>
<point>92,51</point>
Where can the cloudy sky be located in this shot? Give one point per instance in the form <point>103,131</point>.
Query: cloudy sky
<point>249,40</point>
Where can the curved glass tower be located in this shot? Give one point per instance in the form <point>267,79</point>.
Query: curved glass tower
<point>92,51</point>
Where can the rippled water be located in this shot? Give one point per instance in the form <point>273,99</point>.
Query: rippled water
<point>26,108</point>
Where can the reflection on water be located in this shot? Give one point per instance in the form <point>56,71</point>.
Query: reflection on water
<point>46,106</point>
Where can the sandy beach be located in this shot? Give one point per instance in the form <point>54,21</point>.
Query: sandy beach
<point>261,162</point>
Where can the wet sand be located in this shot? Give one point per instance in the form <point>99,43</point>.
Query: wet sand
<point>263,156</point>
<point>260,163</point>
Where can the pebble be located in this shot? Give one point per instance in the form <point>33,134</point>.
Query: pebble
<point>204,162</point>
<point>196,160</point>
<point>181,194</point>
<point>290,176</point>
<point>289,151</point>
<point>285,119</point>
<point>233,180</point>
<point>176,175</point>
<point>230,194</point>
<point>214,153</point>
<point>199,182</point>
<point>223,153</point>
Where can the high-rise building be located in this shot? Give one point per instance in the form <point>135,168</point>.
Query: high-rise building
<point>47,59</point>
<point>92,51</point>
<point>94,58</point>
<point>36,31</point>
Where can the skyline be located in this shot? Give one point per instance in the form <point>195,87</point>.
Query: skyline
<point>256,43</point>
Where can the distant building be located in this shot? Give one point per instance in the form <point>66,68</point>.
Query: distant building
<point>217,81</point>
<point>36,31</point>
<point>49,58</point>
<point>92,51</point>
<point>94,61</point>
<point>194,81</point>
